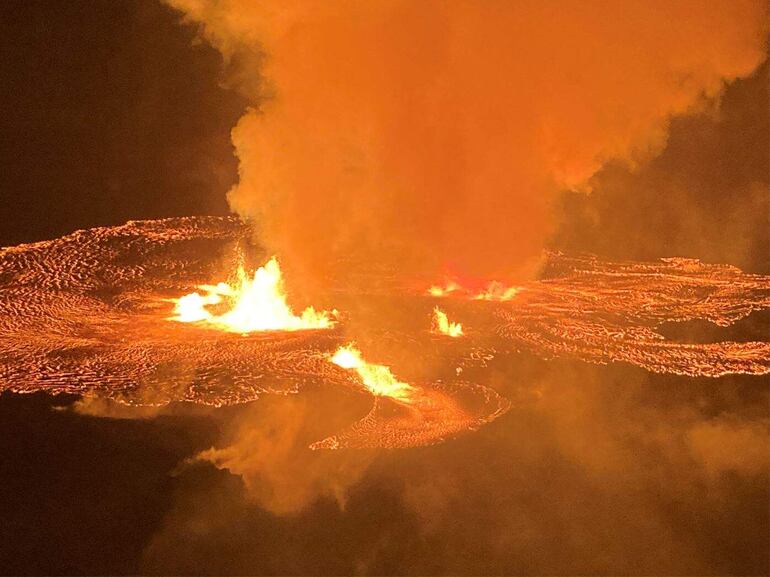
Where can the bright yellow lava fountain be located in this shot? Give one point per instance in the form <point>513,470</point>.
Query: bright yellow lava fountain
<point>438,291</point>
<point>495,291</point>
<point>443,326</point>
<point>250,305</point>
<point>377,378</point>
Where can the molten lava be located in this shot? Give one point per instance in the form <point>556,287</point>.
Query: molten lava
<point>438,291</point>
<point>443,326</point>
<point>406,415</point>
<point>495,291</point>
<point>377,378</point>
<point>87,314</point>
<point>252,304</point>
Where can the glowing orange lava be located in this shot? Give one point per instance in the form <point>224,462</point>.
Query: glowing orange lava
<point>495,291</point>
<point>443,326</point>
<point>438,291</point>
<point>377,378</point>
<point>250,304</point>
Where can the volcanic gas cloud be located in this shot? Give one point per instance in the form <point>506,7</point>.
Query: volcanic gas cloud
<point>431,136</point>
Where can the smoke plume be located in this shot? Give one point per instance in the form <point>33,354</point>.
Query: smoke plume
<point>266,444</point>
<point>433,135</point>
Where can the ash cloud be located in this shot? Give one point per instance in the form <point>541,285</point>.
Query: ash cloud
<point>433,136</point>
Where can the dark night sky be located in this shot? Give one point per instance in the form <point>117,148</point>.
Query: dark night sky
<point>112,112</point>
<point>109,114</point>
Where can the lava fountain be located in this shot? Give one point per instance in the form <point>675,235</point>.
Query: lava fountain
<point>492,291</point>
<point>376,378</point>
<point>443,326</point>
<point>251,304</point>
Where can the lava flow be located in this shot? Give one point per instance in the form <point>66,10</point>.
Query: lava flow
<point>252,304</point>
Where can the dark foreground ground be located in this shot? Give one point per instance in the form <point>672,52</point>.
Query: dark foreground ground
<point>595,470</point>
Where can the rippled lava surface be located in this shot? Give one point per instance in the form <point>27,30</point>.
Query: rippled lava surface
<point>601,312</point>
<point>87,314</point>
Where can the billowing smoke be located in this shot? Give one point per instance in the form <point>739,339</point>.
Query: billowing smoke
<point>268,448</point>
<point>432,135</point>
